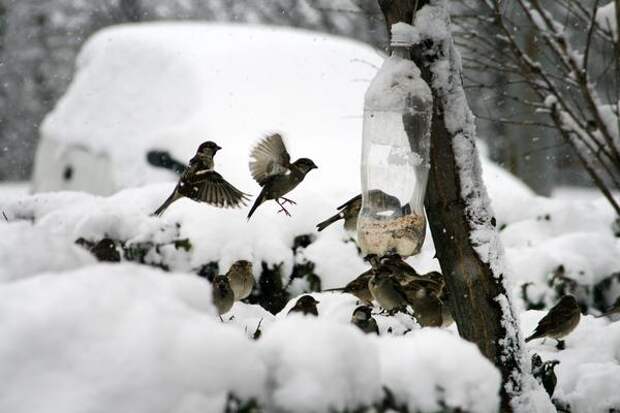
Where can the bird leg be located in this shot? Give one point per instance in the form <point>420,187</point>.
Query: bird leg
<point>561,345</point>
<point>282,208</point>
<point>290,201</point>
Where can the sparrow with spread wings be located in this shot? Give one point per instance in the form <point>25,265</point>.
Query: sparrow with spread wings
<point>271,167</point>
<point>201,183</point>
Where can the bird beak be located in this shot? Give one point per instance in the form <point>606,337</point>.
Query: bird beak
<point>217,147</point>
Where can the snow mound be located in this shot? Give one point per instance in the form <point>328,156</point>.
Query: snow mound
<point>317,365</point>
<point>432,366</point>
<point>120,338</point>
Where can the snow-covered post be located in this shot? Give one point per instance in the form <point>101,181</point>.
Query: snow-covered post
<point>457,206</point>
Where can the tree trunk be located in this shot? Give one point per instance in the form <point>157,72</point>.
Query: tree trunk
<point>461,223</point>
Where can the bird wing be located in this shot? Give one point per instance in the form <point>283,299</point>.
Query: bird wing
<point>210,187</point>
<point>270,158</point>
<point>555,316</point>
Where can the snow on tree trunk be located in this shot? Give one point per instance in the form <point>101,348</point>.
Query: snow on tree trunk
<point>458,208</point>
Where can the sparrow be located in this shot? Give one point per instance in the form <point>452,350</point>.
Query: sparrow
<point>387,291</point>
<point>201,183</point>
<point>223,296</point>
<point>272,169</point>
<point>162,159</point>
<point>350,210</point>
<point>560,321</point>
<point>241,279</point>
<point>306,304</point>
<point>544,373</point>
<point>614,309</point>
<point>362,318</point>
<point>347,211</point>
<point>358,287</point>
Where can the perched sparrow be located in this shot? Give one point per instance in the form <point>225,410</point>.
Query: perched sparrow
<point>362,317</point>
<point>614,309</point>
<point>223,296</point>
<point>427,307</point>
<point>351,209</point>
<point>272,169</point>
<point>305,305</point>
<point>201,183</point>
<point>387,291</point>
<point>105,250</point>
<point>358,287</point>
<point>241,279</point>
<point>162,159</point>
<point>544,373</point>
<point>560,321</point>
<point>347,211</point>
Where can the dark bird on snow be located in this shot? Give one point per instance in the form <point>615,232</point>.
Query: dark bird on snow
<point>201,183</point>
<point>358,287</point>
<point>614,309</point>
<point>362,318</point>
<point>559,322</point>
<point>272,169</point>
<point>241,279</point>
<point>306,304</point>
<point>544,373</point>
<point>350,210</point>
<point>223,296</point>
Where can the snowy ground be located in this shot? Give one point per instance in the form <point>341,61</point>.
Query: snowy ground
<point>143,336</point>
<point>164,349</point>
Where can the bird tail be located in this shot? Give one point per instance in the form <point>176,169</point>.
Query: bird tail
<point>259,200</point>
<point>173,197</point>
<point>322,225</point>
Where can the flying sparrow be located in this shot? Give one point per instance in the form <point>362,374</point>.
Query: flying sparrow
<point>241,279</point>
<point>272,169</point>
<point>559,322</point>
<point>358,287</point>
<point>306,304</point>
<point>362,318</point>
<point>201,183</point>
<point>223,296</point>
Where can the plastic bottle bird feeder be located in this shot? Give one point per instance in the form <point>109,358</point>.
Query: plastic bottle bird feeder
<point>395,159</point>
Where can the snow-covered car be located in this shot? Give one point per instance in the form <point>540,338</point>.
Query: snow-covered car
<point>170,86</point>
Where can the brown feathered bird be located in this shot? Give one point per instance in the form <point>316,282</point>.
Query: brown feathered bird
<point>306,304</point>
<point>241,279</point>
<point>350,210</point>
<point>223,296</point>
<point>201,183</point>
<point>271,167</point>
<point>559,322</point>
<point>362,318</point>
<point>358,287</point>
